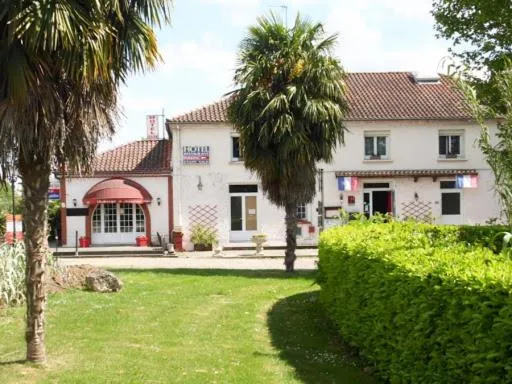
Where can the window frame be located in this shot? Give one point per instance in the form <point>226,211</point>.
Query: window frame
<point>449,155</point>
<point>375,135</point>
<point>301,212</point>
<point>234,159</point>
<point>450,189</point>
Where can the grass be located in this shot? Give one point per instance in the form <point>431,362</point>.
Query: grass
<point>184,326</point>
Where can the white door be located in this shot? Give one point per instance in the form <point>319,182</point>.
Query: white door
<point>244,216</point>
<point>117,223</point>
<point>451,203</point>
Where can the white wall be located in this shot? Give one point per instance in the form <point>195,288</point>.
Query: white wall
<point>157,186</point>
<point>413,145</point>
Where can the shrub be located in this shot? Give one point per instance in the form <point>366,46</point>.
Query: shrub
<point>425,303</point>
<point>203,235</point>
<point>12,274</point>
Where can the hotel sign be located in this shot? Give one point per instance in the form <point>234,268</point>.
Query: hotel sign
<point>196,154</point>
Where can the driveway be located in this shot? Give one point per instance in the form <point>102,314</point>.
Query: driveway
<point>199,260</point>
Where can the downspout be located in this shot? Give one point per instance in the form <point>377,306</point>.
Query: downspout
<point>177,174</point>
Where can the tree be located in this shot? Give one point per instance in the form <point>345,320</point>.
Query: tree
<point>288,106</point>
<point>481,31</point>
<point>61,65</point>
<point>497,150</point>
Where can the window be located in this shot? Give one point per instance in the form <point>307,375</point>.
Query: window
<point>126,218</point>
<point>96,220</point>
<point>110,218</point>
<point>376,146</point>
<point>243,188</point>
<point>301,211</point>
<point>140,223</point>
<point>450,144</point>
<point>450,198</point>
<point>236,154</point>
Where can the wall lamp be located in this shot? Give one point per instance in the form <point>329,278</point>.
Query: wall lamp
<point>75,202</point>
<point>158,201</point>
<point>199,184</point>
<point>416,197</point>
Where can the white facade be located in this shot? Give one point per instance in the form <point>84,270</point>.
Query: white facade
<point>206,194</point>
<point>158,209</point>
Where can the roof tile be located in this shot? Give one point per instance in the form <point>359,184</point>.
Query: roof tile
<point>374,96</point>
<point>138,157</point>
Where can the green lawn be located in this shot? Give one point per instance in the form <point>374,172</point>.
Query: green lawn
<point>184,326</point>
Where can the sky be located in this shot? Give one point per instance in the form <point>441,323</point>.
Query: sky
<point>199,50</point>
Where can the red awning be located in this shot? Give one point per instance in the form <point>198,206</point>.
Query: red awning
<point>117,191</point>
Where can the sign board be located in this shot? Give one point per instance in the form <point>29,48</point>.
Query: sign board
<point>9,228</point>
<point>54,194</point>
<point>152,126</point>
<point>196,154</point>
<point>77,211</point>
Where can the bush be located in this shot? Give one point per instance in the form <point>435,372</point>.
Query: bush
<point>425,303</point>
<point>12,274</point>
<point>203,235</point>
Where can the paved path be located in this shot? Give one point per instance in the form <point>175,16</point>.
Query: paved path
<point>193,262</point>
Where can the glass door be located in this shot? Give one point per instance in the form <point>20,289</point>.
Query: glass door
<point>244,217</point>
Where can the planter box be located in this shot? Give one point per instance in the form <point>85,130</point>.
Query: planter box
<point>142,241</point>
<point>202,247</point>
<point>84,242</point>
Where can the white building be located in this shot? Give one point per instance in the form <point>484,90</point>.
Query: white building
<point>128,195</point>
<point>408,142</point>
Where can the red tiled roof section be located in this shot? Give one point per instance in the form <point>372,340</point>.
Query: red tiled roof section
<point>397,96</point>
<point>138,157</point>
<point>374,96</point>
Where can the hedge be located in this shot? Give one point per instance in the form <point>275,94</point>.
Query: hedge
<point>424,303</point>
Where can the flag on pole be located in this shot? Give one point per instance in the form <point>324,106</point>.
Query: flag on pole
<point>466,181</point>
<point>348,183</point>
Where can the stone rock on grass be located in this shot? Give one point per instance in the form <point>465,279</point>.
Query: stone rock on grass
<point>103,281</point>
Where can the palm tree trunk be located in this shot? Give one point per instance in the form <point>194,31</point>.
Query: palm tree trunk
<point>35,174</point>
<point>291,236</point>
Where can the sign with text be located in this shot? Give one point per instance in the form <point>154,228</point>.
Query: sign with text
<point>152,126</point>
<point>196,154</point>
<point>54,194</point>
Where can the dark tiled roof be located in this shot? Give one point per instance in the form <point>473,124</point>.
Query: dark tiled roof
<point>407,173</point>
<point>374,96</point>
<point>138,157</point>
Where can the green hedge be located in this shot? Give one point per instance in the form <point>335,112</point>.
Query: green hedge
<point>420,301</point>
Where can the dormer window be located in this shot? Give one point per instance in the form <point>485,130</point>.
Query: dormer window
<point>451,144</point>
<point>376,145</point>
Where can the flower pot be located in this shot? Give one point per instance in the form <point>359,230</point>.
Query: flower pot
<point>202,247</point>
<point>142,241</point>
<point>85,242</point>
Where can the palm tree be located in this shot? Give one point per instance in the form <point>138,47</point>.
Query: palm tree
<point>61,65</point>
<point>288,106</point>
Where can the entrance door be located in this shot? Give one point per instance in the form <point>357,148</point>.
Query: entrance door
<point>244,216</point>
<point>117,223</point>
<point>450,203</point>
<point>378,199</point>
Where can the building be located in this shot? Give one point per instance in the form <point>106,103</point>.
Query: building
<point>410,150</point>
<point>129,194</point>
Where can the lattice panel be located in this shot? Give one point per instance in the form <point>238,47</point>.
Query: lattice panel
<point>419,210</point>
<point>203,214</point>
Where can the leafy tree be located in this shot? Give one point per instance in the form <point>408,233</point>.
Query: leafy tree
<point>61,65</point>
<point>497,150</point>
<point>288,107</point>
<point>481,31</point>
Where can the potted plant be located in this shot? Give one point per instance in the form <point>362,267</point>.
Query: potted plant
<point>142,241</point>
<point>203,237</point>
<point>259,239</point>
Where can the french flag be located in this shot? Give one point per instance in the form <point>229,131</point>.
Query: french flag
<point>466,181</point>
<point>348,183</point>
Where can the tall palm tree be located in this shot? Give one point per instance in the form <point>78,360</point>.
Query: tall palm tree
<point>61,65</point>
<point>288,106</point>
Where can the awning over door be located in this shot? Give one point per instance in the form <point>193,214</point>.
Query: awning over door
<point>117,191</point>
